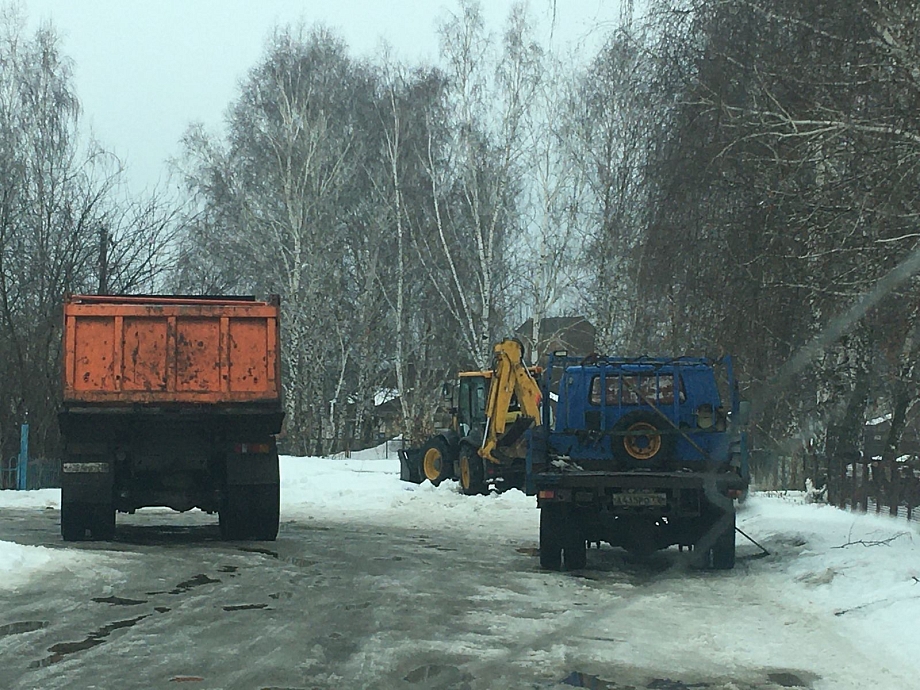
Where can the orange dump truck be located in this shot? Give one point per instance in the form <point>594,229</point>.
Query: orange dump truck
<point>170,401</point>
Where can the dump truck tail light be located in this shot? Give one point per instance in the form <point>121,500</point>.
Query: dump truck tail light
<point>547,493</point>
<point>253,448</point>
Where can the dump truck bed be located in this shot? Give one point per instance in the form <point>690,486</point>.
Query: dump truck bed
<point>150,350</point>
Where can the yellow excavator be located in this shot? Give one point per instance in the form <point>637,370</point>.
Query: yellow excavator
<point>485,442</point>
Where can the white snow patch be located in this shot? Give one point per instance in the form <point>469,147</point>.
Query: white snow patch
<point>385,395</point>
<point>40,498</point>
<point>366,488</point>
<point>18,563</point>
<point>861,570</point>
<point>848,582</point>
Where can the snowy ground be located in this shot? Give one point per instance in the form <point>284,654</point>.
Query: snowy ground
<point>377,583</point>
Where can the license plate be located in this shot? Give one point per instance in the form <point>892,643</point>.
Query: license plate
<point>641,500</point>
<point>74,467</point>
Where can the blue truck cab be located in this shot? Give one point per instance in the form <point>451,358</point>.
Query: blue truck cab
<point>643,453</point>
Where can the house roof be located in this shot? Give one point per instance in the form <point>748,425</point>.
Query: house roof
<point>573,333</point>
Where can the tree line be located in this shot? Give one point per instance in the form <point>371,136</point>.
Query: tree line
<point>719,177</point>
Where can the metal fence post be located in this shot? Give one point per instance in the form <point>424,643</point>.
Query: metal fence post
<point>23,467</point>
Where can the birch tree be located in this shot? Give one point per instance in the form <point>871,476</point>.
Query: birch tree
<point>475,175</point>
<point>280,203</point>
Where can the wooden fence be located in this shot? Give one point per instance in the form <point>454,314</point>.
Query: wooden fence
<point>873,487</point>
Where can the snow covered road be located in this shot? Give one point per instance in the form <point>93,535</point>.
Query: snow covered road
<point>377,584</point>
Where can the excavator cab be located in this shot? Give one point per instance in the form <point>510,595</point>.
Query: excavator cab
<point>471,403</point>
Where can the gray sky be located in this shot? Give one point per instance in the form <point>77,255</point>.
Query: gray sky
<point>145,69</point>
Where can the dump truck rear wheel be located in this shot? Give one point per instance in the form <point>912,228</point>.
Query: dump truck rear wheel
<point>435,462</point>
<point>74,521</point>
<point>472,472</point>
<point>250,512</point>
<point>232,514</point>
<point>266,502</point>
<point>102,527</point>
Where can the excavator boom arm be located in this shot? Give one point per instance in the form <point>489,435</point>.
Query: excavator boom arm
<point>511,379</point>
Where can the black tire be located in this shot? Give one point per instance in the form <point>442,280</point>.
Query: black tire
<point>436,463</point>
<point>561,539</point>
<point>638,451</point>
<point>574,546</point>
<point>232,513</point>
<point>472,471</point>
<point>266,503</point>
<point>74,521</point>
<point>250,512</point>
<point>722,555</point>
<point>102,526</point>
<point>575,550</point>
<point>552,521</point>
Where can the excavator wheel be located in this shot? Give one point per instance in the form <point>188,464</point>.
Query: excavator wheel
<point>472,472</point>
<point>436,462</point>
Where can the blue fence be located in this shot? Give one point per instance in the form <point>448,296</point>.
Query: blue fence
<point>25,473</point>
<point>41,473</point>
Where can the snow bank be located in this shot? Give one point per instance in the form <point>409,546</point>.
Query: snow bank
<point>860,573</point>
<point>864,570</point>
<point>18,563</point>
<point>366,489</point>
<point>42,498</point>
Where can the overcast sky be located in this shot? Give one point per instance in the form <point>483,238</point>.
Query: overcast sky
<point>145,69</point>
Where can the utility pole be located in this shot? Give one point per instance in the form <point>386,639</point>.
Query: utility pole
<point>103,260</point>
<point>23,465</point>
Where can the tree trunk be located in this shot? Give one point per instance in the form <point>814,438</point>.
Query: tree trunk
<point>844,439</point>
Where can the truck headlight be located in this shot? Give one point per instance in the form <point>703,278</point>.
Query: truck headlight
<point>705,416</point>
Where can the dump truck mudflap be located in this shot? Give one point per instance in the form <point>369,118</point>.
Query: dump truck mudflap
<point>86,482</point>
<point>87,500</point>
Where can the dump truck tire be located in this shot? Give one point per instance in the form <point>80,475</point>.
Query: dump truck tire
<point>266,504</point>
<point>231,516</point>
<point>102,525</point>
<point>436,464</point>
<point>250,512</point>
<point>74,520</point>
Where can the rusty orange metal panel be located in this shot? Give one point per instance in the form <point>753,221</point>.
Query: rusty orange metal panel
<point>94,354</point>
<point>118,360</point>
<point>272,333</point>
<point>70,355</point>
<point>249,355</point>
<point>224,354</point>
<point>198,355</point>
<point>144,353</point>
<point>171,354</point>
<point>163,350</point>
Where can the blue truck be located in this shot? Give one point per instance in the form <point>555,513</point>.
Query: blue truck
<point>643,453</point>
